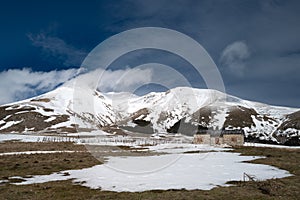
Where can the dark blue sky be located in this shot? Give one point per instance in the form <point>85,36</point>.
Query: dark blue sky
<point>255,44</point>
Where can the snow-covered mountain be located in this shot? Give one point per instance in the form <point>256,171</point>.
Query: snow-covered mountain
<point>185,110</point>
<point>56,111</point>
<point>188,110</point>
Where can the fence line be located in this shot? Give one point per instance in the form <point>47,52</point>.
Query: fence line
<point>112,140</point>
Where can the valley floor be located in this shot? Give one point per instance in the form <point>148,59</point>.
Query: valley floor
<point>70,156</point>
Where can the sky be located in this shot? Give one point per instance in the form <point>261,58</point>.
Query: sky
<point>254,43</point>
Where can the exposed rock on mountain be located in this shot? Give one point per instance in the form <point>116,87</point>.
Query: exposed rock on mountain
<point>179,110</point>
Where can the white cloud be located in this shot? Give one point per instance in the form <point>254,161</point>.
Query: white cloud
<point>234,56</point>
<point>17,84</point>
<point>122,80</point>
<point>57,47</point>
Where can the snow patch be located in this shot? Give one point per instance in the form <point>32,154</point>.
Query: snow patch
<point>50,119</point>
<point>188,172</point>
<point>9,124</point>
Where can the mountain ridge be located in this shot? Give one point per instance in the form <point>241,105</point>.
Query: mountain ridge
<point>63,111</point>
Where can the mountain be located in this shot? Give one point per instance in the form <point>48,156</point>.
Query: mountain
<point>54,112</point>
<point>179,110</point>
<point>188,110</point>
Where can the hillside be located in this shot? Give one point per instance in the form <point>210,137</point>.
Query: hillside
<point>179,110</point>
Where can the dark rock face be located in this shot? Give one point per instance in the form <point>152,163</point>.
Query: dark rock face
<point>28,118</point>
<point>6,110</point>
<point>292,121</point>
<point>254,139</point>
<point>192,124</point>
<point>239,116</point>
<point>138,118</point>
<point>293,141</point>
<point>141,122</point>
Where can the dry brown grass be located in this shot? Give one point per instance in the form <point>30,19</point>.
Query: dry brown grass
<point>16,146</point>
<point>38,164</point>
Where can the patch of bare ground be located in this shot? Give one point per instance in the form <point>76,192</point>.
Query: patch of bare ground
<point>285,188</point>
<point>39,164</point>
<point>16,146</point>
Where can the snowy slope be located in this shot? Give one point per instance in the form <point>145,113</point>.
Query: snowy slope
<point>60,109</point>
<point>161,112</point>
<point>166,108</point>
<point>67,110</point>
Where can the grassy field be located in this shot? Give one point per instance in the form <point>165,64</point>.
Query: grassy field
<point>15,146</point>
<point>21,165</point>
